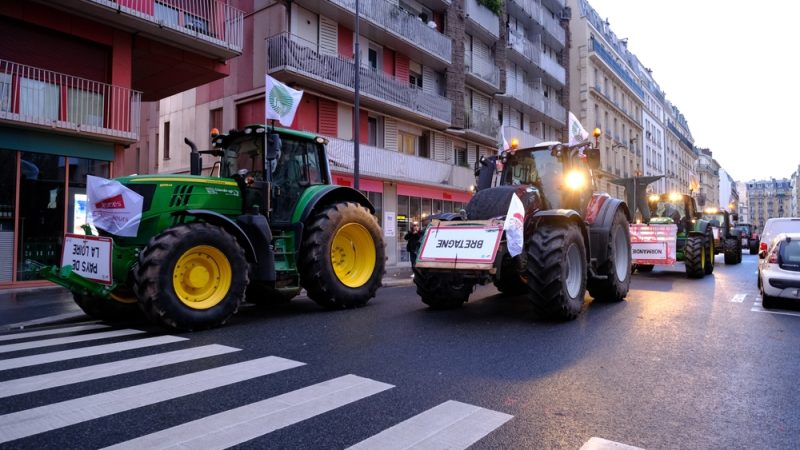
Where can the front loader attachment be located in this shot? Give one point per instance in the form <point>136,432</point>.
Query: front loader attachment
<point>64,276</point>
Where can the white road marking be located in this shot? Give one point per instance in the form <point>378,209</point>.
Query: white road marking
<point>26,361</point>
<point>758,308</point>
<point>451,425</point>
<point>66,340</point>
<point>597,443</point>
<point>58,415</point>
<point>242,424</point>
<point>738,298</point>
<point>30,334</point>
<point>81,374</point>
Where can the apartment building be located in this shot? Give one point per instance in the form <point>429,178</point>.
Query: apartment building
<point>728,192</point>
<point>679,154</point>
<point>708,177</point>
<point>768,199</point>
<point>653,157</point>
<point>796,193</point>
<point>744,204</point>
<point>437,77</point>
<point>605,92</point>
<point>73,76</point>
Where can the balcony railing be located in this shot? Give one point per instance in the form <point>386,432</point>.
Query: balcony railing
<point>553,27</point>
<point>481,15</point>
<point>555,111</point>
<point>553,68</point>
<point>210,20</point>
<point>482,68</point>
<point>41,97</point>
<point>391,165</point>
<point>403,25</point>
<point>529,97</point>
<point>606,56</point>
<point>482,123</point>
<point>289,52</point>
<point>527,49</point>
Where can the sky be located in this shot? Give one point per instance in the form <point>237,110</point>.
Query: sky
<point>730,67</point>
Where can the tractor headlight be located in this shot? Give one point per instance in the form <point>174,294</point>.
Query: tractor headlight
<point>655,198</point>
<point>576,180</point>
<point>674,197</point>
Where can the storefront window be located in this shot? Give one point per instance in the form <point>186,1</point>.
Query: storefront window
<point>78,169</point>
<point>8,185</point>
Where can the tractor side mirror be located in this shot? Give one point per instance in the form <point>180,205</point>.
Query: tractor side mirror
<point>195,162</point>
<point>592,158</point>
<point>273,146</point>
<point>735,217</point>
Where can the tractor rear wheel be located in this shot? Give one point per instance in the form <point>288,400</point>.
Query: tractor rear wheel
<point>442,290</point>
<point>191,276</point>
<point>617,266</point>
<point>556,270</point>
<point>710,252</point>
<point>733,251</point>
<point>108,309</point>
<point>342,256</point>
<point>695,258</point>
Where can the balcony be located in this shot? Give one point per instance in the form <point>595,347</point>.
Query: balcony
<point>386,22</point>
<point>539,20</point>
<point>606,57</point>
<point>523,51</point>
<point>526,140</point>
<point>298,60</point>
<point>553,69</point>
<point>44,99</point>
<point>482,126</point>
<point>211,27</point>
<point>481,72</point>
<point>390,165</point>
<point>523,97</point>
<point>481,21</point>
<point>555,111</point>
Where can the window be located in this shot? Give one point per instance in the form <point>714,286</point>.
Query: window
<point>5,92</point>
<point>85,108</point>
<point>372,58</point>
<point>415,79</point>
<point>215,119</point>
<point>407,143</point>
<point>375,131</point>
<point>166,140</point>
<point>461,157</point>
<point>38,99</point>
<point>424,150</point>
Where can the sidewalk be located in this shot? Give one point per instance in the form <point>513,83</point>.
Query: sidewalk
<point>26,307</point>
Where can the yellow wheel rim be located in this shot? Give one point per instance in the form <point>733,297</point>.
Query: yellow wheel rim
<point>353,255</point>
<point>202,277</point>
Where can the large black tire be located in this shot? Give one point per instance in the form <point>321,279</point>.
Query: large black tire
<point>644,268</point>
<point>508,281</point>
<point>556,270</point>
<point>108,309</point>
<point>733,251</point>
<point>191,276</point>
<point>694,256</point>
<point>342,257</point>
<point>490,203</point>
<point>710,252</point>
<point>753,247</point>
<point>617,266</point>
<point>767,302</point>
<point>442,290</point>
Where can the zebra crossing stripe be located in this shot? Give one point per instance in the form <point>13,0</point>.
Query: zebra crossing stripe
<point>597,443</point>
<point>30,334</point>
<point>242,424</point>
<point>451,425</point>
<point>58,415</point>
<point>66,340</point>
<point>33,360</point>
<point>81,374</point>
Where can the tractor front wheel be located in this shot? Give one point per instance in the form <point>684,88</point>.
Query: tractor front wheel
<point>617,267</point>
<point>733,251</point>
<point>343,257</point>
<point>191,276</point>
<point>556,270</point>
<point>695,258</point>
<point>710,252</point>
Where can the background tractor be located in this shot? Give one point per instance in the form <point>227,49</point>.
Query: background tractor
<point>749,236</point>
<point>675,231</point>
<point>572,239</point>
<point>726,237</point>
<point>267,226</point>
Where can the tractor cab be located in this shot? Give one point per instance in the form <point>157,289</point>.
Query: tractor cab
<point>674,208</point>
<point>293,161</point>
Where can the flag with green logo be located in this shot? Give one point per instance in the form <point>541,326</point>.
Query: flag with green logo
<point>576,132</point>
<point>281,101</point>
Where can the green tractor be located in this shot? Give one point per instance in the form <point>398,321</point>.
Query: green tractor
<point>269,225</point>
<point>726,236</point>
<point>691,241</point>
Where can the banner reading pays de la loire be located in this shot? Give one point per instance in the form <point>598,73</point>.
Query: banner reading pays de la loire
<point>113,207</point>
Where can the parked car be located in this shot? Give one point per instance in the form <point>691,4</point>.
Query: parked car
<point>779,269</point>
<point>776,226</point>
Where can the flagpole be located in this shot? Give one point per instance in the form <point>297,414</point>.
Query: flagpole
<point>356,134</point>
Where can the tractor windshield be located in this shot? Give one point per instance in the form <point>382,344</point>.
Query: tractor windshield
<point>538,168</point>
<point>297,168</point>
<point>716,220</point>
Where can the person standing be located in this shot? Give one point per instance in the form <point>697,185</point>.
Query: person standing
<point>413,237</point>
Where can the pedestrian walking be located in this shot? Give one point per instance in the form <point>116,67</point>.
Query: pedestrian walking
<point>413,237</point>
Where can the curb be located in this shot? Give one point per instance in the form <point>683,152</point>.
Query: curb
<point>43,321</point>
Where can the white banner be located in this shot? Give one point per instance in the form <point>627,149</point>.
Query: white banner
<point>89,256</point>
<point>473,244</point>
<point>649,250</point>
<point>281,101</point>
<point>576,131</point>
<point>515,218</point>
<point>113,207</point>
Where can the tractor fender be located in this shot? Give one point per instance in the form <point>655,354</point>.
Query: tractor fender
<point>700,228</point>
<point>227,224</point>
<point>560,215</point>
<point>600,229</point>
<point>327,195</point>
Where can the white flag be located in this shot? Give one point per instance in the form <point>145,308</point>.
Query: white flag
<point>576,131</point>
<point>281,101</point>
<point>515,219</point>
<point>503,137</point>
<point>113,207</point>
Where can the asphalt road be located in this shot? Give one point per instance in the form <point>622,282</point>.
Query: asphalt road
<point>681,364</point>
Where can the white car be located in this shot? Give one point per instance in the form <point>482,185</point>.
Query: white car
<point>779,269</point>
<point>772,228</point>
